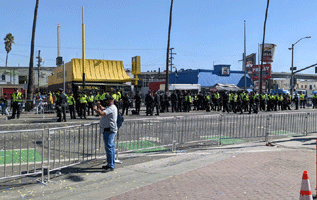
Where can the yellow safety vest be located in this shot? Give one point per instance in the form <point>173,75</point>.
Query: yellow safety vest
<point>17,97</point>
<point>114,96</point>
<point>301,97</point>
<point>70,100</point>
<point>91,98</point>
<point>83,99</point>
<point>97,97</point>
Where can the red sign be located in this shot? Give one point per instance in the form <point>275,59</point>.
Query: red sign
<point>266,72</point>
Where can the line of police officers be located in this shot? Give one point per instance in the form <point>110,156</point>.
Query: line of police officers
<point>82,103</point>
<point>182,101</point>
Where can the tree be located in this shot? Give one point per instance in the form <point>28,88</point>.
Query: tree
<point>267,8</point>
<point>8,41</point>
<point>168,45</point>
<point>31,81</point>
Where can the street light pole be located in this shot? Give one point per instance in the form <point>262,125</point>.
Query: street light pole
<point>292,68</point>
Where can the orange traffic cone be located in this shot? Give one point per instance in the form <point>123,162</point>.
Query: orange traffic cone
<point>305,191</point>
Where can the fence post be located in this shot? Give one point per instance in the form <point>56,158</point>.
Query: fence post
<point>267,132</point>
<point>306,123</point>
<point>173,135</point>
<point>219,129</point>
<point>47,133</point>
<point>117,150</point>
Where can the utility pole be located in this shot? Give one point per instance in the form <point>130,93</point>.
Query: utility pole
<point>38,70</point>
<point>244,61</point>
<point>171,58</point>
<point>83,48</point>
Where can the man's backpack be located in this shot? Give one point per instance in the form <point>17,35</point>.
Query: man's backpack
<point>120,120</point>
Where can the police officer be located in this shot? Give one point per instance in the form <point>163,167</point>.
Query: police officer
<point>71,105</point>
<point>314,101</point>
<point>126,103</point>
<point>262,101</point>
<point>149,100</point>
<point>83,104</point>
<point>302,100</point>
<point>138,100</point>
<point>295,99</point>
<point>157,103</point>
<point>174,100</point>
<point>90,103</point>
<point>225,100</point>
<point>207,102</point>
<point>61,105</point>
<point>17,100</point>
<point>180,101</point>
<point>166,101</point>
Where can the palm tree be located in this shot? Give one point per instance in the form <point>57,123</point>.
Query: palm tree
<point>30,81</point>
<point>8,41</point>
<point>168,45</point>
<point>267,8</point>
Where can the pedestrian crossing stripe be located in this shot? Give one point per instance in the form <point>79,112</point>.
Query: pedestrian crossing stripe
<point>19,156</point>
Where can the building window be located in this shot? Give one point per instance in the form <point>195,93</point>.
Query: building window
<point>305,86</point>
<point>301,86</point>
<point>23,79</point>
<point>3,77</point>
<point>310,87</point>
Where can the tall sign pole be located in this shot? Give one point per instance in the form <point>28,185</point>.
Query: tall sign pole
<point>83,46</point>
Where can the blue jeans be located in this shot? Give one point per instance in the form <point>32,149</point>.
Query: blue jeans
<point>108,138</point>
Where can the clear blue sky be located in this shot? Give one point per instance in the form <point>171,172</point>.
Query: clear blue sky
<point>203,31</point>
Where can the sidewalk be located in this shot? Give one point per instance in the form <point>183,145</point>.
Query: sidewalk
<point>245,171</point>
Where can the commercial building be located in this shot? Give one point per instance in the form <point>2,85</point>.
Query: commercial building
<point>17,77</point>
<point>208,78</point>
<point>99,75</point>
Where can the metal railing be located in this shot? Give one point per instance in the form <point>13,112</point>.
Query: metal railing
<point>27,152</point>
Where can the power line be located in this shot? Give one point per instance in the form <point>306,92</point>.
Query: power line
<point>97,49</point>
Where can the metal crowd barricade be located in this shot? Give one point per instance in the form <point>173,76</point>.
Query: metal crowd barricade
<point>27,152</point>
<point>21,153</point>
<point>71,145</point>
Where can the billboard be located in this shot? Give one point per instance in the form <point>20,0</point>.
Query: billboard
<point>225,70</point>
<point>266,72</point>
<point>250,60</point>
<point>269,52</point>
<point>257,85</point>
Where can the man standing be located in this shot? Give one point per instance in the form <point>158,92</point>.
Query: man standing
<point>108,126</point>
<point>302,100</point>
<point>17,100</point>
<point>83,103</point>
<point>71,105</point>
<point>61,105</point>
<point>138,100</point>
<point>157,103</point>
<point>149,103</point>
<point>90,103</point>
<point>166,101</point>
<point>174,100</point>
<point>126,103</point>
